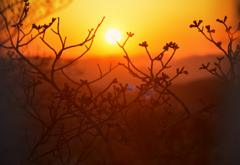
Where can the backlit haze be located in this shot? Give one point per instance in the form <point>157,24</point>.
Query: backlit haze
<point>154,21</point>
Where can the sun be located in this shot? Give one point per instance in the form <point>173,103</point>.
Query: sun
<point>111,35</point>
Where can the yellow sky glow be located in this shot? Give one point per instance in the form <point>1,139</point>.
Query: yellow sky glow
<point>154,21</point>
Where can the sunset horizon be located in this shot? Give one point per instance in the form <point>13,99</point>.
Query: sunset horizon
<point>167,26</point>
<point>120,82</point>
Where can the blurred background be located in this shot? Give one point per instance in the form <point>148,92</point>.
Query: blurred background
<point>156,22</point>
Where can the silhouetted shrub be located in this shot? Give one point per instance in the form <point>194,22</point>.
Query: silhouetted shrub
<point>75,122</point>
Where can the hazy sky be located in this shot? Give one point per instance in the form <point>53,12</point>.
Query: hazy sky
<point>154,21</point>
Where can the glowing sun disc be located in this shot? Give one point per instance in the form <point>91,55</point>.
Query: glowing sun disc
<point>111,35</point>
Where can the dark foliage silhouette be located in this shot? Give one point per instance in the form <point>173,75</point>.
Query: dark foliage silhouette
<point>74,122</point>
<point>232,55</point>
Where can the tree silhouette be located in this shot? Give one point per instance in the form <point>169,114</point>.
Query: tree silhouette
<point>74,122</point>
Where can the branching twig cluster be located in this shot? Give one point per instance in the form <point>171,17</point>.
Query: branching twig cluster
<point>228,75</point>
<point>77,120</point>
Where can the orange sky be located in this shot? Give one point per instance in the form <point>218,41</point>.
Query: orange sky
<point>154,21</point>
